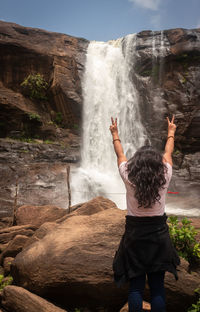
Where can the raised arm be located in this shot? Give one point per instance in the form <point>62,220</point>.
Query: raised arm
<point>116,142</point>
<point>169,147</point>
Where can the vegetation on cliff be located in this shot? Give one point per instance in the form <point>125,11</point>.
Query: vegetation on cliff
<point>35,87</point>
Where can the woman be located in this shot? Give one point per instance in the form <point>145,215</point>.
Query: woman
<point>145,248</point>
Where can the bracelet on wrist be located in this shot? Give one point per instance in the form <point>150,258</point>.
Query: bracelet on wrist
<point>116,140</point>
<point>171,136</point>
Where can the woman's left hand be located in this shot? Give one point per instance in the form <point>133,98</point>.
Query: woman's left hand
<point>113,127</point>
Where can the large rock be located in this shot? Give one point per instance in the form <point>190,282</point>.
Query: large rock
<point>7,234</point>
<point>180,294</point>
<point>14,247</point>
<point>17,299</point>
<point>75,257</point>
<point>37,215</point>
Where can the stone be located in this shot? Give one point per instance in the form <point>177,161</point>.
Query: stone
<point>5,222</point>
<point>41,232</point>
<point>91,207</point>
<point>180,294</point>
<point>14,247</point>
<point>7,234</point>
<point>18,299</point>
<point>75,257</point>
<point>37,215</point>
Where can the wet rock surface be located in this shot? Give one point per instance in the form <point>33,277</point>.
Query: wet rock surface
<point>166,70</point>
<point>168,78</point>
<point>34,174</point>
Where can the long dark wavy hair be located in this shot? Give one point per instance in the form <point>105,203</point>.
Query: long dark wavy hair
<point>146,171</point>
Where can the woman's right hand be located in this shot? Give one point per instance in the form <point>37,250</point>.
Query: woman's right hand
<point>113,127</point>
<point>171,125</point>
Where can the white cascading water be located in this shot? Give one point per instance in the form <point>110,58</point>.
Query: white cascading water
<point>107,92</point>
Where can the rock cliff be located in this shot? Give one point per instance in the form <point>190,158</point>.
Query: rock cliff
<point>58,58</point>
<point>34,171</point>
<point>166,70</point>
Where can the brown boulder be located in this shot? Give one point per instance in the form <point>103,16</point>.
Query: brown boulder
<point>14,247</point>
<point>37,215</point>
<point>180,294</point>
<point>91,207</point>
<point>75,259</point>
<point>95,205</point>
<point>40,233</point>
<point>7,234</point>
<point>17,299</point>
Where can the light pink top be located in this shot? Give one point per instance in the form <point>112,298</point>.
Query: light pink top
<point>132,204</point>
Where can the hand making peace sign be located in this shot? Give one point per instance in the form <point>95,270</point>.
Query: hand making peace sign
<point>171,125</point>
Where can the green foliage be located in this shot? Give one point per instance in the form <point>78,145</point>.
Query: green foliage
<point>184,80</point>
<point>59,118</point>
<point>146,73</point>
<point>183,237</point>
<point>76,126</point>
<point>35,86</point>
<point>5,281</point>
<point>176,152</point>
<point>34,116</point>
<point>27,140</point>
<point>196,307</point>
<point>48,142</point>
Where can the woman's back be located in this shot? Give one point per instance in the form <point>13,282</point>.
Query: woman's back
<point>158,208</point>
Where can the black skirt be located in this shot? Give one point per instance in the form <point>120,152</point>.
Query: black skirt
<point>145,247</point>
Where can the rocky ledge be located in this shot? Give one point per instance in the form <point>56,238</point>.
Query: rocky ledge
<point>63,261</point>
<point>35,173</point>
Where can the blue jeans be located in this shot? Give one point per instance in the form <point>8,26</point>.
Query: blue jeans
<point>156,285</point>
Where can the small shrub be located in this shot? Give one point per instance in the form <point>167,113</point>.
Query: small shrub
<point>5,281</point>
<point>35,86</point>
<point>196,306</point>
<point>183,237</point>
<point>76,126</point>
<point>177,152</point>
<point>48,142</point>
<point>59,118</point>
<point>34,116</point>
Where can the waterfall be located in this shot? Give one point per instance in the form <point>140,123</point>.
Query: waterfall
<point>108,91</point>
